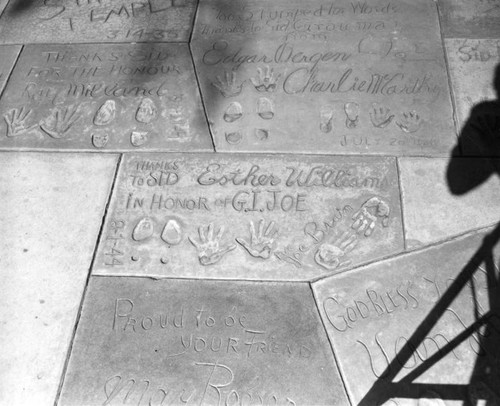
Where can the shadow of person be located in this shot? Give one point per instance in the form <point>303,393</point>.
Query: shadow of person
<point>20,6</point>
<point>481,131</point>
<point>479,137</point>
<point>479,142</point>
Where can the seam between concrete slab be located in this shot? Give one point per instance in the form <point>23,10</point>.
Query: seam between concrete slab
<point>193,23</point>
<point>417,250</point>
<point>339,369</point>
<point>89,274</point>
<point>361,265</point>
<point>411,251</point>
<point>400,185</point>
<point>99,43</point>
<point>203,105</point>
<point>11,69</point>
<point>3,11</point>
<point>259,282</point>
<point>191,278</point>
<point>453,102</point>
<point>448,75</point>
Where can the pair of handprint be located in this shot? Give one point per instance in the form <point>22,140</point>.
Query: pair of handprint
<point>381,117</point>
<point>56,125</point>
<point>210,249</point>
<point>265,81</point>
<point>331,255</point>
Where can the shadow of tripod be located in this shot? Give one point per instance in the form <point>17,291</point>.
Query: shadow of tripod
<point>480,137</point>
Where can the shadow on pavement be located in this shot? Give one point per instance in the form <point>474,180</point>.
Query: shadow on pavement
<point>20,6</point>
<point>479,138</point>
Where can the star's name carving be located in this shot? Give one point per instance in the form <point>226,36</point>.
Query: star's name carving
<point>268,189</point>
<point>84,12</point>
<point>218,386</point>
<point>220,53</point>
<point>316,176</point>
<point>479,51</point>
<point>155,174</point>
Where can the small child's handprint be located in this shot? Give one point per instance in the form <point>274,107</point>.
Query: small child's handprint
<point>409,122</point>
<point>380,116</point>
<point>265,81</point>
<point>209,249</point>
<point>329,255</point>
<point>228,86</point>
<point>261,242</point>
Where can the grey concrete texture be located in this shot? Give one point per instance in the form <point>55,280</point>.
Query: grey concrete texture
<point>114,97</point>
<point>3,4</point>
<point>330,226</point>
<point>357,78</point>
<point>272,217</point>
<point>390,325</point>
<point>429,220</point>
<point>9,55</point>
<point>52,207</point>
<point>82,21</point>
<point>470,19</point>
<point>472,65</point>
<point>200,342</point>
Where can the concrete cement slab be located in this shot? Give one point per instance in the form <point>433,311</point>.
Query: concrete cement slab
<point>259,217</point>
<point>475,76</point>
<point>432,212</point>
<point>110,97</point>
<point>371,314</point>
<point>8,57</point>
<point>52,207</point>
<point>470,18</point>
<point>3,4</point>
<point>199,342</point>
<point>343,78</point>
<point>472,71</point>
<point>82,21</point>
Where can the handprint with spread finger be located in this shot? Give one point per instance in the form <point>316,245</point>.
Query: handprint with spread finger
<point>330,256</point>
<point>16,121</point>
<point>60,121</point>
<point>261,242</point>
<point>209,249</point>
<point>367,216</point>
<point>227,86</point>
<point>265,80</point>
<point>380,116</point>
<point>409,122</point>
